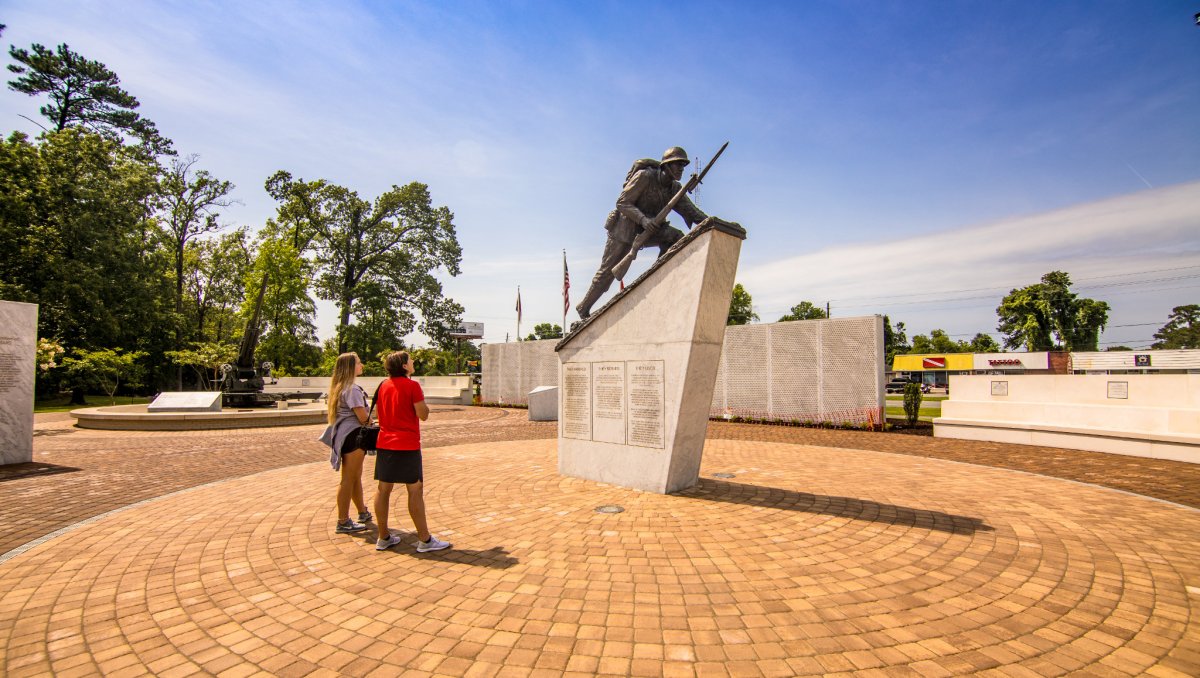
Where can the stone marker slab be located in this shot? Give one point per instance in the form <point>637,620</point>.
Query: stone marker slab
<point>186,401</point>
<point>637,376</point>
<point>18,355</point>
<point>543,404</point>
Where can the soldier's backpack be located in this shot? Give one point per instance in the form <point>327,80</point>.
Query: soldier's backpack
<point>639,165</point>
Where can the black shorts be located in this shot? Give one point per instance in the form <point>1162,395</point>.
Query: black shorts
<point>399,466</point>
<point>350,444</point>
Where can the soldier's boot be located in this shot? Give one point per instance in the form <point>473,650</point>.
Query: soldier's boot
<point>598,287</point>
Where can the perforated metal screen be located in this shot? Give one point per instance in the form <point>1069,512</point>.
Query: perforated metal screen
<point>808,370</point>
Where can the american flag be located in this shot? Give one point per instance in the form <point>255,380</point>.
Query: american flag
<point>518,305</point>
<point>566,288</point>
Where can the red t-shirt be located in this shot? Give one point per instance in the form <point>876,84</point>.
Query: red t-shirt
<point>399,428</point>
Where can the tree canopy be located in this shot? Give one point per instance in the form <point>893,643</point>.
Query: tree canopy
<point>82,93</point>
<point>804,311</point>
<point>376,260</point>
<point>1047,316</point>
<point>1182,329</point>
<point>545,331</point>
<point>741,307</point>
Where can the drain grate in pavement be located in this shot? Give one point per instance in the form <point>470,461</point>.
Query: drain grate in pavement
<point>724,475</point>
<point>609,508</point>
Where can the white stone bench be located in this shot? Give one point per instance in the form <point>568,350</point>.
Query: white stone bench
<point>1140,415</point>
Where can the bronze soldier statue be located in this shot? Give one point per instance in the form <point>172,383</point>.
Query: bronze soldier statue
<point>649,188</point>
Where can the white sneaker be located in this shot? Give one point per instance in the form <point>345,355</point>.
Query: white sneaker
<point>385,544</point>
<point>434,544</point>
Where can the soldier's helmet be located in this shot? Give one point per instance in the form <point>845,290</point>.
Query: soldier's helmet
<point>675,154</point>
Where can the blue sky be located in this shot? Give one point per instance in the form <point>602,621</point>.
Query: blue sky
<point>915,159</point>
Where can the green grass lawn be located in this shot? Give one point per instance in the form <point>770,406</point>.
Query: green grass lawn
<point>60,404</point>
<point>924,412</point>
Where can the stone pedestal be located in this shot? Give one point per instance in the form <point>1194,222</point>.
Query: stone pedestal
<point>18,355</point>
<point>186,401</point>
<point>637,376</point>
<point>543,404</point>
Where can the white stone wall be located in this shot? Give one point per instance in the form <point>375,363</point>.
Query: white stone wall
<point>818,370</point>
<point>18,355</point>
<point>806,370</point>
<point>1147,415</point>
<point>512,370</point>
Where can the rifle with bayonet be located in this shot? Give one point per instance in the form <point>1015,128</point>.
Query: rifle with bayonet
<point>622,266</point>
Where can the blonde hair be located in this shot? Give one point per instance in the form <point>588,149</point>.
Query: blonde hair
<point>343,378</point>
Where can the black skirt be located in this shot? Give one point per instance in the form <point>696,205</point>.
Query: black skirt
<point>399,466</point>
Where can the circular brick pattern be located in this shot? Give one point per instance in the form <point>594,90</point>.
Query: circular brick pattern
<point>813,561</point>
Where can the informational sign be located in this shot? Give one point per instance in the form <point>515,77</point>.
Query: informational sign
<point>467,331</point>
<point>1141,360</point>
<point>1118,390</point>
<point>577,401</point>
<point>608,402</point>
<point>186,401</point>
<point>646,403</point>
<point>999,388</point>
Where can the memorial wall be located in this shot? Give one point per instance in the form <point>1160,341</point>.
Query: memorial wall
<point>818,370</point>
<point>18,355</point>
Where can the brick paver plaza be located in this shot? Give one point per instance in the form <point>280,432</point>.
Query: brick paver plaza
<point>827,552</point>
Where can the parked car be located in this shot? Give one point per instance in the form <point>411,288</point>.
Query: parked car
<point>896,385</point>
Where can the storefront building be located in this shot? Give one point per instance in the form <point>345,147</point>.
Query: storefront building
<point>935,369</point>
<point>1180,361</point>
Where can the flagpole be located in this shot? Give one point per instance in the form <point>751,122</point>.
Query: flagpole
<point>518,313</point>
<point>566,292</point>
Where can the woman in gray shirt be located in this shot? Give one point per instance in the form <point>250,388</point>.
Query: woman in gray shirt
<point>347,413</point>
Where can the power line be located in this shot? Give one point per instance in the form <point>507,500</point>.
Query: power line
<point>1004,287</point>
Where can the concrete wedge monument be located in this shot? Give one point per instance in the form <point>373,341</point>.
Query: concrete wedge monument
<point>636,378</point>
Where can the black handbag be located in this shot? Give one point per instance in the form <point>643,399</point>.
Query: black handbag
<point>368,436</point>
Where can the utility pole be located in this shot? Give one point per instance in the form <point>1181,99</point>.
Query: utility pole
<point>827,316</point>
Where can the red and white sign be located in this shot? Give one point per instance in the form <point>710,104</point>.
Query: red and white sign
<point>990,362</point>
<point>933,363</point>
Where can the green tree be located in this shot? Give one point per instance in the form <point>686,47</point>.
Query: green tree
<point>83,93</point>
<point>287,328</point>
<point>190,200</point>
<point>1118,348</point>
<point>938,342</point>
<point>104,368</point>
<point>984,343</point>
<point>741,307</point>
<point>76,240</point>
<point>1182,329</point>
<point>545,331</point>
<point>804,311</point>
<point>895,341</point>
<point>1047,316</point>
<point>206,358</point>
<point>214,284</point>
<point>378,256</point>
<point>912,402</point>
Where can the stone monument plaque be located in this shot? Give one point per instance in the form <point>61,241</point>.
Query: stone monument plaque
<point>608,402</point>
<point>18,355</point>
<point>576,400</point>
<point>646,403</point>
<point>186,401</point>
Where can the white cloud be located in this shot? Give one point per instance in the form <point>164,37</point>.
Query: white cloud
<point>959,276</point>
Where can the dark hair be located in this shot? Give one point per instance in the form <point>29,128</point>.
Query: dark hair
<point>394,363</point>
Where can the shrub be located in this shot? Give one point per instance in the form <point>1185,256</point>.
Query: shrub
<point>912,402</point>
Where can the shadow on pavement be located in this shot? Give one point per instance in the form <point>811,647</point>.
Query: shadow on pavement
<point>840,507</point>
<point>32,469</point>
<point>496,557</point>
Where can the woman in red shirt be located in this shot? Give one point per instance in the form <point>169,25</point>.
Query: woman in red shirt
<point>401,408</point>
